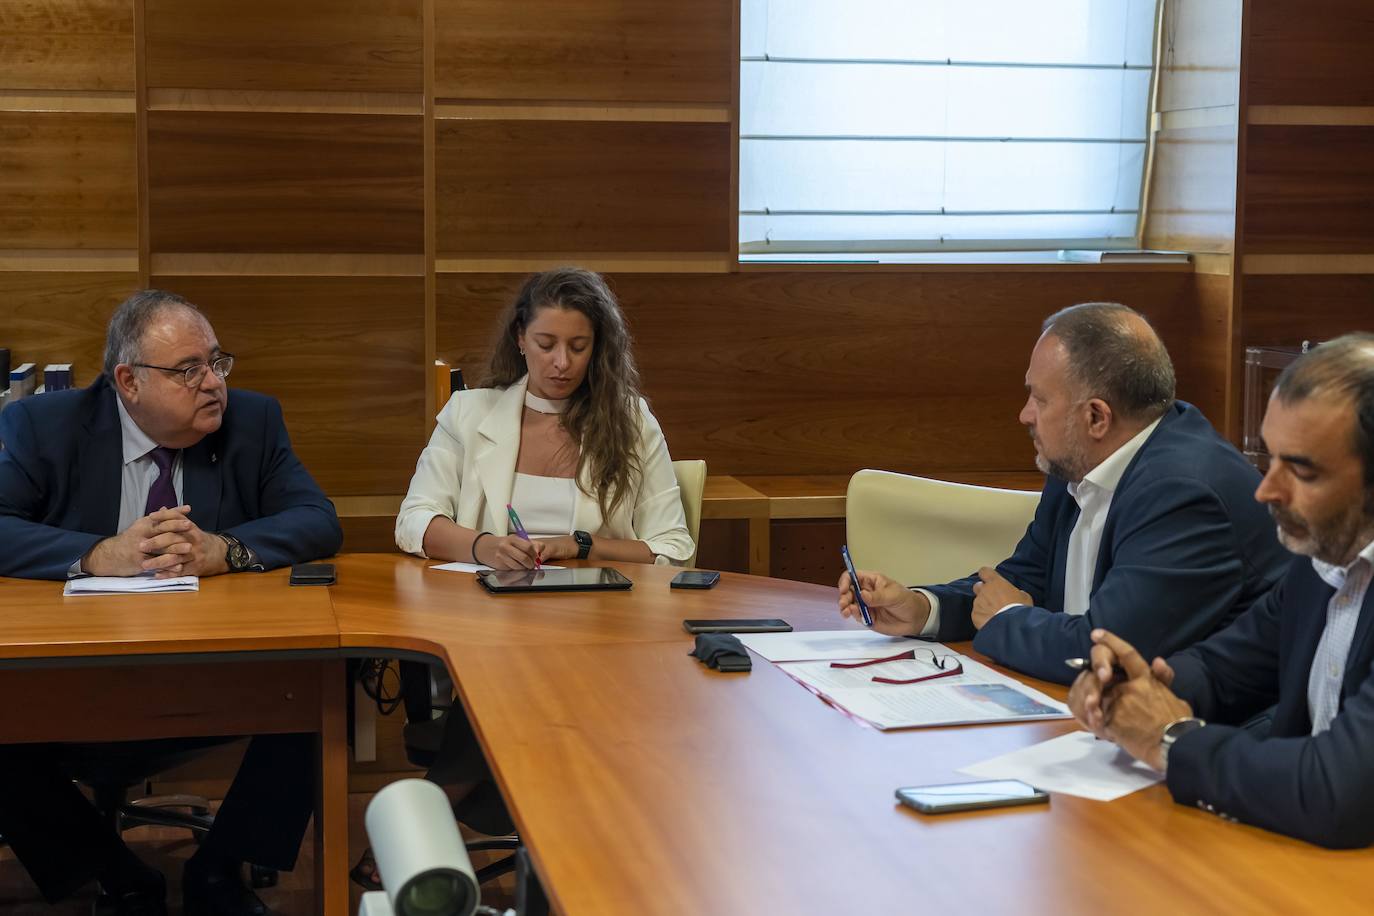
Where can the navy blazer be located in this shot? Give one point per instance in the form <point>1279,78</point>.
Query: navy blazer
<point>1185,548</point>
<point>1317,788</point>
<point>60,476</point>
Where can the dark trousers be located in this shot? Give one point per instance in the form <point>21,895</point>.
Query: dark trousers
<point>61,839</point>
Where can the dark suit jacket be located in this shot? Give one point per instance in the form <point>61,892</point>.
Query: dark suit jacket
<point>1320,789</point>
<point>60,482</point>
<point>1185,548</point>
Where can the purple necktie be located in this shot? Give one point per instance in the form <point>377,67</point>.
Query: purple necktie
<point>162,495</point>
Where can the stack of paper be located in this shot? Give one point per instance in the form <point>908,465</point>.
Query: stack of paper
<point>979,694</point>
<point>1074,764</point>
<point>131,585</point>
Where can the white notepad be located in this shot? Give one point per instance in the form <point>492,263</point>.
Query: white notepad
<point>129,585</point>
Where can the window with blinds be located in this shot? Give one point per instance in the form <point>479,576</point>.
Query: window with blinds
<point>942,125</point>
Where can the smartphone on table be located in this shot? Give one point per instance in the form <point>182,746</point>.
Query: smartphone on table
<point>738,625</point>
<point>695,578</point>
<point>967,796</point>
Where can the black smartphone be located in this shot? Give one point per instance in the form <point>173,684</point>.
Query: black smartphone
<point>313,574</point>
<point>966,796</point>
<point>738,625</point>
<point>694,578</point>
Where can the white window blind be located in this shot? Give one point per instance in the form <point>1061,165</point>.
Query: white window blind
<point>920,125</point>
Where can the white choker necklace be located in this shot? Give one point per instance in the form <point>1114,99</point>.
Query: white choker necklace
<point>543,405</point>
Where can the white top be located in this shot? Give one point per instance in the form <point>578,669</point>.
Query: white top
<point>544,504</point>
<point>1094,497</point>
<point>1342,614</point>
<point>467,474</point>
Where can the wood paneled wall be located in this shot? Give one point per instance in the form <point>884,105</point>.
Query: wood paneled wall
<point>1308,191</point>
<point>351,188</point>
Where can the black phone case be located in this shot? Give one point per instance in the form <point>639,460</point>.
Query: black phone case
<point>313,574</point>
<point>677,582</point>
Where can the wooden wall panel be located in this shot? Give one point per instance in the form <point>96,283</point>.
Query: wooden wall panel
<point>608,50</point>
<point>345,357</point>
<point>55,317</point>
<point>821,372</point>
<point>1309,189</point>
<point>1316,52</point>
<point>582,186</point>
<point>356,45</point>
<point>1193,192</point>
<point>1200,342</point>
<point>67,44</point>
<point>68,180</point>
<point>257,182</point>
<point>1286,310</point>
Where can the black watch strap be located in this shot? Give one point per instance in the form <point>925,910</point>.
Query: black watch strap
<point>584,544</point>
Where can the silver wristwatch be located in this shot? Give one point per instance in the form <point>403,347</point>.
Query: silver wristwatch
<point>1175,730</point>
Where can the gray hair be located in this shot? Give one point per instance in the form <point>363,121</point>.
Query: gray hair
<point>1116,355</point>
<point>124,339</point>
<point>1343,367</point>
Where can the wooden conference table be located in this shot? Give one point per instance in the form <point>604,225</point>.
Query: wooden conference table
<point>641,781</point>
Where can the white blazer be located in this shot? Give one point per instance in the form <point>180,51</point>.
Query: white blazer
<point>467,471</point>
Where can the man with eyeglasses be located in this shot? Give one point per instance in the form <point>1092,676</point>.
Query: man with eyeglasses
<point>157,469</point>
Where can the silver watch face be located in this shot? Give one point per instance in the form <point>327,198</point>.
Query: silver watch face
<point>1176,730</point>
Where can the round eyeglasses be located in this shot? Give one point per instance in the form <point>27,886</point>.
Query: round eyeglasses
<point>193,375</point>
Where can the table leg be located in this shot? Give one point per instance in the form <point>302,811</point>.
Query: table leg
<point>331,804</point>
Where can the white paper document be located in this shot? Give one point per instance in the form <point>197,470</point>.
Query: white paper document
<point>474,567</point>
<point>129,585</point>
<point>1074,764</point>
<point>828,644</point>
<point>979,694</point>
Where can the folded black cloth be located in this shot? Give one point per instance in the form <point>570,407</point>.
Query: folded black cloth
<point>722,651</point>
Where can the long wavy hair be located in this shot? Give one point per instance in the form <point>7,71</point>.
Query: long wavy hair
<point>602,416</point>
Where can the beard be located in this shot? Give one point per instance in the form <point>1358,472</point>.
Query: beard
<point>1335,540</point>
<point>1071,466</point>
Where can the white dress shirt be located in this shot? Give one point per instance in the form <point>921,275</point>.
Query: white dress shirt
<point>1094,497</point>
<point>137,477</point>
<point>1342,614</point>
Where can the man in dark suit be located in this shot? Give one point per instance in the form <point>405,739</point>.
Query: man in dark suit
<point>1306,649</point>
<point>156,468</point>
<point>1142,502</point>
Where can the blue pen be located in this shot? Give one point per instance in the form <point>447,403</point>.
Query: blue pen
<point>520,529</point>
<point>854,584</point>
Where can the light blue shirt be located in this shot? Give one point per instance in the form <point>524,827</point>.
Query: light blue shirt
<point>1342,614</point>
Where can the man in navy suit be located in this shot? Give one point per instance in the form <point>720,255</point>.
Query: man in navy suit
<point>1142,502</point>
<point>156,468</point>
<point>1306,649</point>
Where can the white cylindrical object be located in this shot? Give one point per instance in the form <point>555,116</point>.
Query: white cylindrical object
<point>420,855</point>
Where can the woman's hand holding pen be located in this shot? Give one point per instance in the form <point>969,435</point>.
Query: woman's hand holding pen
<point>507,552</point>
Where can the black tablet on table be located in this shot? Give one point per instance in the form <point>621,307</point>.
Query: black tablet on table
<point>583,579</point>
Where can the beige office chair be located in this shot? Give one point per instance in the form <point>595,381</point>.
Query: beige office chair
<point>691,481</point>
<point>920,531</point>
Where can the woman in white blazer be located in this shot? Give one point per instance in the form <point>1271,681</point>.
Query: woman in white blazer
<point>561,433</point>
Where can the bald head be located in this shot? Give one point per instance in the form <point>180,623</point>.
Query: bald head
<point>1114,354</point>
